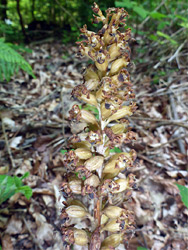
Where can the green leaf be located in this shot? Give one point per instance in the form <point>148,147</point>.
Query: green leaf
<point>25,176</point>
<point>127,4</point>
<point>157,15</point>
<point>115,150</point>
<point>181,17</point>
<point>63,151</point>
<point>184,194</point>
<point>141,11</point>
<point>17,181</point>
<point>9,185</point>
<point>153,37</point>
<point>20,48</point>
<point>26,191</point>
<point>159,33</point>
<point>11,61</point>
<point>162,25</point>
<point>142,248</point>
<point>184,24</point>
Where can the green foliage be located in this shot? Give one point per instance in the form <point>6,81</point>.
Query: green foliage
<point>63,151</point>
<point>10,33</point>
<point>11,62</point>
<point>159,27</point>
<point>142,248</point>
<point>184,194</point>
<point>159,33</point>
<point>21,48</point>
<point>158,21</point>
<point>134,6</point>
<point>10,185</point>
<point>115,150</point>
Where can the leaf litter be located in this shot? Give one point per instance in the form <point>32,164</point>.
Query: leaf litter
<point>35,113</point>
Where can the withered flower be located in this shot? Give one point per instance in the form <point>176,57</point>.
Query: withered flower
<point>95,138</point>
<point>95,186</point>
<point>70,160</point>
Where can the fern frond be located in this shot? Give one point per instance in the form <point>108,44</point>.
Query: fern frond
<point>11,62</point>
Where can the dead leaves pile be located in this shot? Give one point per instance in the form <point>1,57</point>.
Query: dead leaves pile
<point>34,113</point>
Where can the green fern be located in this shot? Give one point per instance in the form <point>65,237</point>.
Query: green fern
<point>11,62</point>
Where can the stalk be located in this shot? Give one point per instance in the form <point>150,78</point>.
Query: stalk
<point>95,185</point>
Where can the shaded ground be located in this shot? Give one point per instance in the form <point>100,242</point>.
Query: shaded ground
<point>36,127</point>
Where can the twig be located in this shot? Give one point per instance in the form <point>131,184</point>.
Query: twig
<point>155,163</point>
<point>175,116</point>
<point>161,121</point>
<point>148,17</point>
<point>145,242</point>
<point>158,164</point>
<point>63,112</point>
<point>177,52</point>
<point>43,98</point>
<point>32,235</point>
<point>7,144</point>
<point>139,127</point>
<point>168,142</point>
<point>165,91</point>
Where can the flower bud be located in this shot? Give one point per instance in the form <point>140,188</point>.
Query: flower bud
<point>122,154</point>
<point>83,153</point>
<point>74,211</point>
<point>111,175</point>
<point>118,162</point>
<point>88,117</point>
<point>92,181</point>
<point>102,66</point>
<point>91,100</point>
<point>99,94</point>
<point>82,144</point>
<point>110,34</point>
<point>113,212</point>
<point>123,185</point>
<point>114,225</point>
<point>75,186</point>
<point>122,112</point>
<point>118,128</point>
<point>80,237</point>
<point>82,93</point>
<point>114,50</point>
<point>91,73</point>
<point>109,167</point>
<point>77,203</point>
<point>94,163</point>
<point>107,152</point>
<point>104,219</point>
<point>112,241</point>
<point>121,78</point>
<point>92,84</point>
<point>117,65</point>
<point>105,110</point>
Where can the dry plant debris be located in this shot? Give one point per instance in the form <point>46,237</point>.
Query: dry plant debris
<point>36,130</point>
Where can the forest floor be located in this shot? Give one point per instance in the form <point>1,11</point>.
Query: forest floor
<point>35,129</point>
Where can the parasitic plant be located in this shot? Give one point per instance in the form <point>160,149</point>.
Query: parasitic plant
<point>96,184</point>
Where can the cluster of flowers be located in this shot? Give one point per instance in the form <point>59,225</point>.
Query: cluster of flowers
<point>95,185</point>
